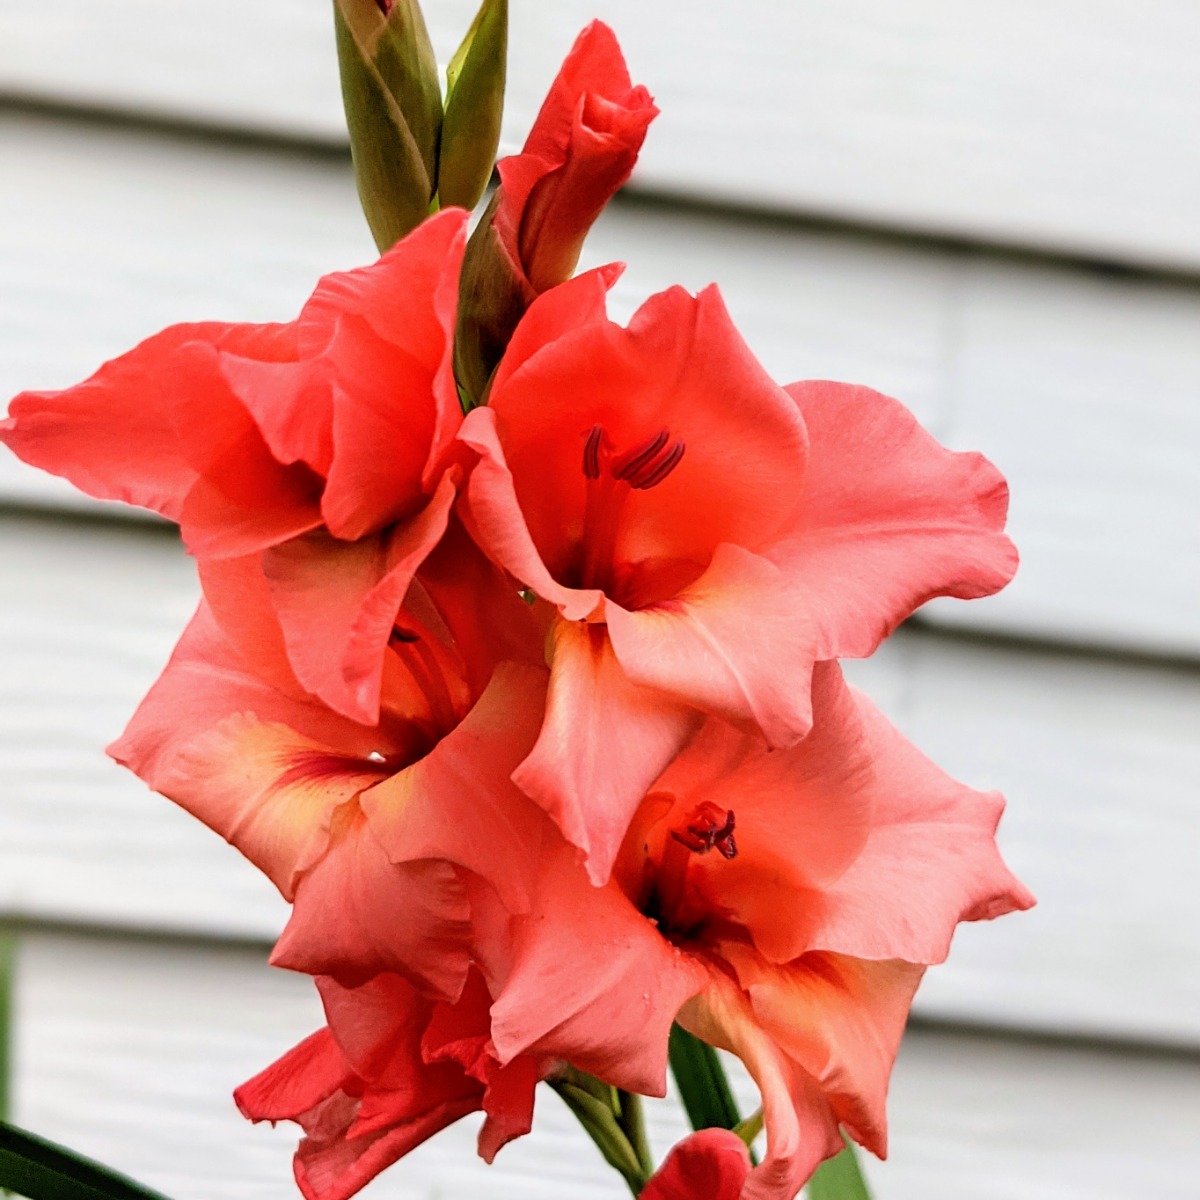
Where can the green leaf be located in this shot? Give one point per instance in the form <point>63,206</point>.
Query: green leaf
<point>8,956</point>
<point>40,1170</point>
<point>702,1083</point>
<point>839,1178</point>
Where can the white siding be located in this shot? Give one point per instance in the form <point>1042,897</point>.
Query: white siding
<point>1059,124</point>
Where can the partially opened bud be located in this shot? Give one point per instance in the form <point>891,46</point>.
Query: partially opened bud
<point>393,109</point>
<point>580,151</point>
<point>474,105</point>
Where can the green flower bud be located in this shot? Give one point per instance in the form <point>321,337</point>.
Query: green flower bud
<point>474,105</point>
<point>393,109</point>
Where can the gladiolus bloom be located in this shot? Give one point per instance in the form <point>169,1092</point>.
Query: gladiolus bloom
<point>779,904</point>
<point>356,824</point>
<point>315,456</point>
<point>390,1070</point>
<point>703,535</point>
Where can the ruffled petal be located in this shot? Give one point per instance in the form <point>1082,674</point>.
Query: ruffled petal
<point>802,816</point>
<point>356,914</point>
<point>802,1129</point>
<point>592,981</point>
<point>723,644</point>
<point>115,435</point>
<point>337,603</point>
<point>602,744</point>
<point>840,1020</point>
<point>263,769</point>
<point>383,1102</point>
<point>498,524</point>
<point>931,860</point>
<point>458,803</point>
<point>890,520</point>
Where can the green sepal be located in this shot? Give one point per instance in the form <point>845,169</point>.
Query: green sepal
<point>40,1170</point>
<point>839,1178</point>
<point>393,109</point>
<point>474,107</point>
<point>750,1128</point>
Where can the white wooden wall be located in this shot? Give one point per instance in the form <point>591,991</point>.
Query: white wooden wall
<point>994,215</point>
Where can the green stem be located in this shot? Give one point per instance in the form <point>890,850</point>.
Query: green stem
<point>598,1109</point>
<point>632,1122</point>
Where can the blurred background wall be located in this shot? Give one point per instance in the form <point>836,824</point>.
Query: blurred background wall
<point>993,214</point>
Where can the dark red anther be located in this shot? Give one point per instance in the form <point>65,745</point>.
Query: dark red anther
<point>629,464</point>
<point>648,466</point>
<point>665,466</point>
<point>708,826</point>
<point>591,453</point>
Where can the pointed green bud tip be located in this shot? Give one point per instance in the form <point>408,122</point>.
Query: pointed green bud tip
<point>393,105</point>
<point>475,81</point>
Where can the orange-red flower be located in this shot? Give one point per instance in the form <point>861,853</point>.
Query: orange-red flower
<point>391,1069</point>
<point>779,904</point>
<point>315,455</point>
<point>703,535</point>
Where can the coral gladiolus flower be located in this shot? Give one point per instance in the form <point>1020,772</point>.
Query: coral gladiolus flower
<point>355,824</point>
<point>317,450</point>
<point>580,151</point>
<point>711,1164</point>
<point>703,535</point>
<point>779,904</point>
<point>390,1070</point>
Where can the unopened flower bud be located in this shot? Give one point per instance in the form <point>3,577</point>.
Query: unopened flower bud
<point>393,109</point>
<point>474,105</point>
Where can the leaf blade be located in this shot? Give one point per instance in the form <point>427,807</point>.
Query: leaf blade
<point>41,1170</point>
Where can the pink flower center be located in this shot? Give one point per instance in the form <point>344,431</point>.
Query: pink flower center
<point>611,479</point>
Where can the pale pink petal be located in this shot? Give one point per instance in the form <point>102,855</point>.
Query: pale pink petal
<point>592,981</point>
<point>931,860</point>
<point>337,603</point>
<point>890,519</point>
<point>458,803</point>
<point>356,914</point>
<point>603,743</point>
<point>727,644</point>
<point>802,1129</point>
<point>839,1019</point>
